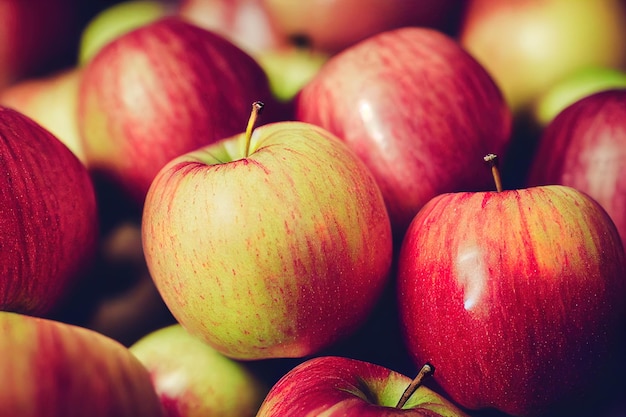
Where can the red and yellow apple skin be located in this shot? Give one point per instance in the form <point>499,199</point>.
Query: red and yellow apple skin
<point>516,298</point>
<point>334,386</point>
<point>55,369</point>
<point>48,217</point>
<point>278,254</point>
<point>159,91</point>
<point>406,101</point>
<point>585,147</point>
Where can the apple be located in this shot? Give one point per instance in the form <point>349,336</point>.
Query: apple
<point>117,19</point>
<point>332,26</point>
<point>51,101</point>
<point>48,217</point>
<point>516,297</point>
<point>574,87</point>
<point>160,91</point>
<point>528,45</point>
<point>192,379</point>
<point>273,243</point>
<point>55,369</point>
<point>585,147</point>
<point>404,101</point>
<point>335,386</point>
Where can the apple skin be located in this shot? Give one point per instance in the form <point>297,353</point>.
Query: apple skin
<point>335,386</point>
<point>193,380</point>
<point>58,370</point>
<point>276,255</point>
<point>159,91</point>
<point>585,147</point>
<point>516,298</point>
<point>405,101</point>
<point>48,217</point>
<point>528,45</point>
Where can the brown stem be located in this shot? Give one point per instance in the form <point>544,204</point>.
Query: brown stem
<point>257,106</point>
<point>426,370</point>
<point>492,160</point>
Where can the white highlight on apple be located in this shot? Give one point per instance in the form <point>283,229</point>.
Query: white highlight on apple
<point>473,273</point>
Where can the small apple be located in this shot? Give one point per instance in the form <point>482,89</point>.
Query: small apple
<point>117,19</point>
<point>48,217</point>
<point>404,101</point>
<point>528,45</point>
<point>334,386</point>
<point>268,245</point>
<point>574,87</point>
<point>585,147</point>
<point>193,380</point>
<point>55,369</point>
<point>159,91</point>
<point>516,297</point>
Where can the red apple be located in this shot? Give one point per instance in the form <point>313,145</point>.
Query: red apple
<point>334,386</point>
<point>48,217</point>
<point>405,101</point>
<point>332,26</point>
<point>585,147</point>
<point>55,369</point>
<point>516,297</point>
<point>160,91</point>
<point>528,45</point>
<point>268,245</point>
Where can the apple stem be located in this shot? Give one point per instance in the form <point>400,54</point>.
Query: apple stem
<point>257,107</point>
<point>492,160</point>
<point>426,370</point>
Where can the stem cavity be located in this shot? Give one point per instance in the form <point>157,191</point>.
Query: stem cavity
<point>257,107</point>
<point>492,160</point>
<point>426,370</point>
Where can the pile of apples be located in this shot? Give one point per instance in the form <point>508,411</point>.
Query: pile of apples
<point>313,208</point>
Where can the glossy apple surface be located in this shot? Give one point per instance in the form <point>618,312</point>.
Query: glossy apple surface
<point>405,101</point>
<point>516,298</point>
<point>48,217</point>
<point>528,45</point>
<point>60,370</point>
<point>159,91</point>
<point>277,254</point>
<point>335,386</point>
<point>194,380</point>
<point>585,147</point>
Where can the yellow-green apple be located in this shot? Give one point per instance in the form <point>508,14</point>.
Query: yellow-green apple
<point>51,101</point>
<point>117,19</point>
<point>332,26</point>
<point>585,147</point>
<point>159,91</point>
<point>48,216</point>
<point>55,369</point>
<point>268,245</point>
<point>36,37</point>
<point>194,380</point>
<point>335,386</point>
<point>528,45</point>
<point>516,297</point>
<point>572,88</point>
<point>405,101</point>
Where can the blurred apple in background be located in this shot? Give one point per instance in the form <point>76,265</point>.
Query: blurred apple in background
<point>60,370</point>
<point>332,26</point>
<point>274,244</point>
<point>585,147</point>
<point>48,217</point>
<point>339,386</point>
<point>528,45</point>
<point>117,19</point>
<point>159,91</point>
<point>572,88</point>
<point>517,299</point>
<point>406,101</point>
<point>194,380</point>
<point>51,101</point>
